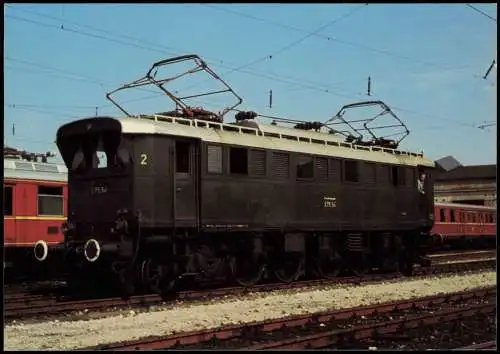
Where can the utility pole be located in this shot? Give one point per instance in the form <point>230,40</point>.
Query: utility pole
<point>270,98</point>
<point>369,93</point>
<point>493,63</point>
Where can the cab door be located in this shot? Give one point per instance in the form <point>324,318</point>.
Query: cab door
<point>186,170</point>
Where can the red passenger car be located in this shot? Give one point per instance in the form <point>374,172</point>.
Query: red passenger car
<point>464,224</point>
<point>35,196</point>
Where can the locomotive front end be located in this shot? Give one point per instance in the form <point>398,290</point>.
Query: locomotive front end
<point>100,218</point>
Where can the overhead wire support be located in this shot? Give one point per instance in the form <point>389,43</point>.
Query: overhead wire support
<point>493,63</point>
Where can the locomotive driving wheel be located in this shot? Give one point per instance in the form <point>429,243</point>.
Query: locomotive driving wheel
<point>358,264</point>
<point>289,266</point>
<point>329,262</point>
<point>247,271</point>
<point>155,276</point>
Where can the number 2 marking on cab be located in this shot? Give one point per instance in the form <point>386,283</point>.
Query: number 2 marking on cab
<point>144,159</point>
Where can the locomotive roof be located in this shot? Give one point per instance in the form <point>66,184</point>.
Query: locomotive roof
<point>18,169</point>
<point>269,137</point>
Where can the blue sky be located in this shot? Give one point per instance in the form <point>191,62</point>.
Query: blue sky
<point>426,61</point>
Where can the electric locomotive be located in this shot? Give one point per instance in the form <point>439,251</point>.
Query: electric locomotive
<point>181,194</point>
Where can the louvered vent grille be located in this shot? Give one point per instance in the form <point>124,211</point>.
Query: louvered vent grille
<point>280,165</point>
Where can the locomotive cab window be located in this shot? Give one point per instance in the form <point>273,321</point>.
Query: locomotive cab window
<point>238,161</point>
<point>305,167</point>
<point>351,169</point>
<point>100,157</point>
<point>8,206</point>
<point>182,153</point>
<point>50,201</point>
<point>97,152</point>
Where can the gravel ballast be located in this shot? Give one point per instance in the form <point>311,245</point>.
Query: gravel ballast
<point>60,335</point>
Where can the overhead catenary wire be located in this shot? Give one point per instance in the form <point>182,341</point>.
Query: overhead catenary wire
<point>481,12</point>
<point>160,48</point>
<point>243,71</point>
<point>335,39</point>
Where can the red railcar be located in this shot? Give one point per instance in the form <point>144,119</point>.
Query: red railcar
<point>459,223</point>
<point>35,198</point>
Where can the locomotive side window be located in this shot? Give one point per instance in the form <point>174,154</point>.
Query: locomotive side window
<point>238,161</point>
<point>384,174</point>
<point>370,172</point>
<point>321,166</point>
<point>452,215</point>
<point>50,201</point>
<point>351,171</point>
<point>182,151</point>
<point>305,167</point>
<point>280,165</point>
<point>441,215</point>
<point>398,176</point>
<point>411,176</point>
<point>335,170</point>
<point>214,159</point>
<point>8,206</point>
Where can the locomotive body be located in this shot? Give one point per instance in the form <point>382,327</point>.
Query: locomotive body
<point>156,198</point>
<point>181,196</point>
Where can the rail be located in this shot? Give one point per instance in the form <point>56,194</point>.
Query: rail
<point>321,340</point>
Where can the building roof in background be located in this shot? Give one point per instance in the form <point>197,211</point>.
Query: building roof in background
<point>468,172</point>
<point>448,163</point>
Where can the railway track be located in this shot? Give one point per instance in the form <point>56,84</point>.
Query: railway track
<point>31,305</point>
<point>336,328</point>
<point>459,256</point>
<point>484,345</point>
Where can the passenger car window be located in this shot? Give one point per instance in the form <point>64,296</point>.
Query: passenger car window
<point>8,199</point>
<point>441,215</point>
<point>50,201</point>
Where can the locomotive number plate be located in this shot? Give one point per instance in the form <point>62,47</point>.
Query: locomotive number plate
<point>329,202</point>
<point>99,188</point>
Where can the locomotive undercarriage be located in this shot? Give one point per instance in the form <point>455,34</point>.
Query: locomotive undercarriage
<point>157,263</point>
